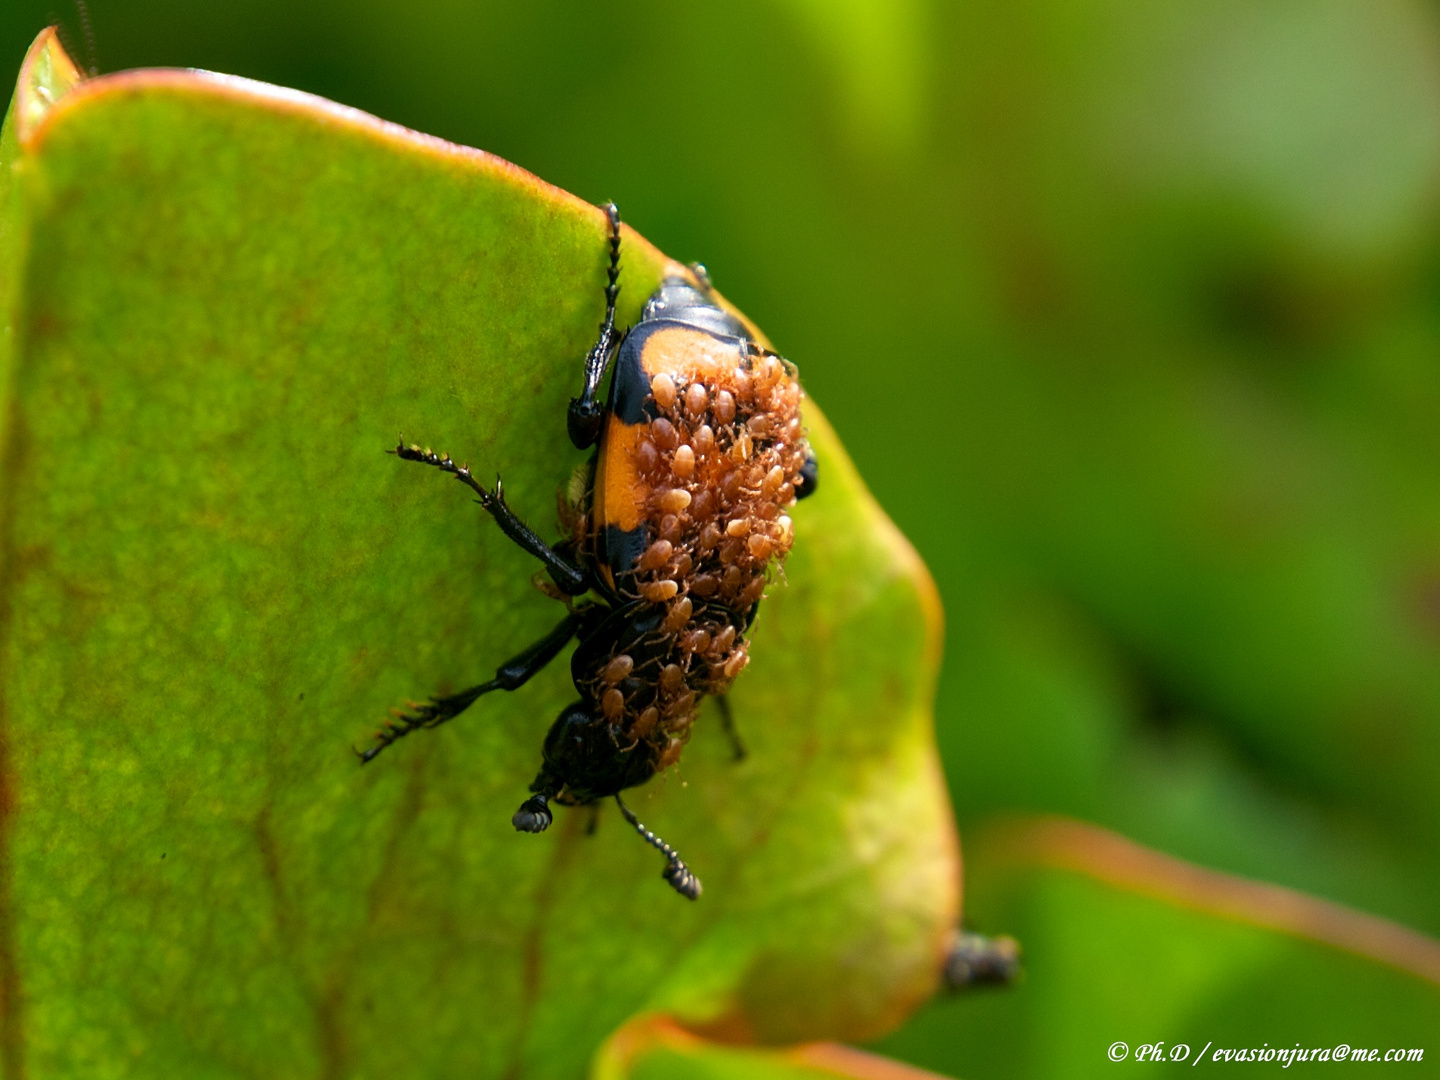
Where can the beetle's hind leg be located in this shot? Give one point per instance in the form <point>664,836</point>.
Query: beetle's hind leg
<point>727,722</point>
<point>681,878</point>
<point>511,675</point>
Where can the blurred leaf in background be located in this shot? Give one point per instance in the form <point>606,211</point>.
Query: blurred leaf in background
<point>1130,315</point>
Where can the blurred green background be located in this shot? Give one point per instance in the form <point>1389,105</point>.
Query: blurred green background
<point>1130,315</point>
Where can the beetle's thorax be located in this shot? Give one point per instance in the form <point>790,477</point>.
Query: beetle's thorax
<point>677,300</point>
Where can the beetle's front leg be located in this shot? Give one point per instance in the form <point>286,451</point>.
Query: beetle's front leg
<point>586,413</point>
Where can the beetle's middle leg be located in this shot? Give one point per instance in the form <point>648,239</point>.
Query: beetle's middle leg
<point>570,578</point>
<point>511,675</point>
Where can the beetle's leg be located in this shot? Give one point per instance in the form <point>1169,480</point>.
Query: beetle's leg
<point>569,577</point>
<point>727,721</point>
<point>511,675</point>
<point>975,960</point>
<point>583,419</point>
<point>681,878</point>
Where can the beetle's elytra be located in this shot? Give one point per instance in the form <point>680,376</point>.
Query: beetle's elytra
<point>671,531</point>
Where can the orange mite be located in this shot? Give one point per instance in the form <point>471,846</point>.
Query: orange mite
<point>671,531</point>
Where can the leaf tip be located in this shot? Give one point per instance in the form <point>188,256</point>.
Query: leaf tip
<point>47,75</point>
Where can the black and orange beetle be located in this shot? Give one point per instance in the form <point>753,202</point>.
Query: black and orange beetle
<point>671,531</point>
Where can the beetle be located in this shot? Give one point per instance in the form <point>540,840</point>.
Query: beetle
<point>671,531</point>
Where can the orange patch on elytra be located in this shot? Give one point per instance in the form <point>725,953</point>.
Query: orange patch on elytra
<point>622,494</point>
<point>694,354</point>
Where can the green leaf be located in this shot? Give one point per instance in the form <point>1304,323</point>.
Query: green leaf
<point>223,301</point>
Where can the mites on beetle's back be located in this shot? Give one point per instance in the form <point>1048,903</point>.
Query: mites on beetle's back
<point>699,461</point>
<point>671,533</point>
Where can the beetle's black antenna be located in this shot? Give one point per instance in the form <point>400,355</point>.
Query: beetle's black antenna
<point>681,878</point>
<point>583,420</point>
<point>85,28</point>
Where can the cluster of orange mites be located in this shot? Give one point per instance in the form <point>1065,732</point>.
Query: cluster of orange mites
<point>721,462</point>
